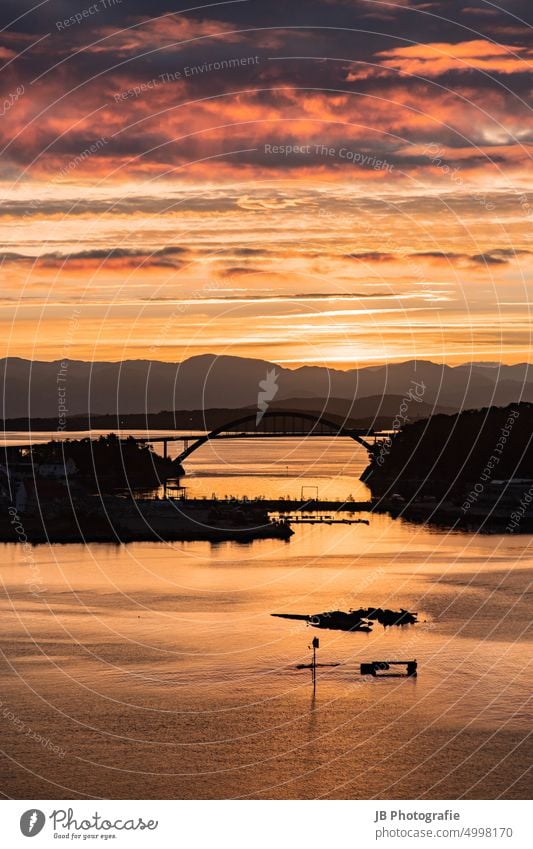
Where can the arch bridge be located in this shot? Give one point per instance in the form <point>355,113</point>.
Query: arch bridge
<point>272,424</point>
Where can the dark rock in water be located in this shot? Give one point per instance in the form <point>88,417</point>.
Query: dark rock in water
<point>338,620</point>
<point>355,620</point>
<point>389,617</point>
<point>333,619</point>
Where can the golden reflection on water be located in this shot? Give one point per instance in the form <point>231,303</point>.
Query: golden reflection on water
<point>159,671</point>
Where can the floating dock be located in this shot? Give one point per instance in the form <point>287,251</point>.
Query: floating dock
<point>380,668</point>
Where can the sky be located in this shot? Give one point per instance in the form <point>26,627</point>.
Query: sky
<point>344,182</point>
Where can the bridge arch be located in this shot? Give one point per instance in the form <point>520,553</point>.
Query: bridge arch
<point>260,420</point>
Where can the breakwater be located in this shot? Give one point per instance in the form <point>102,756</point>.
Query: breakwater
<point>285,505</point>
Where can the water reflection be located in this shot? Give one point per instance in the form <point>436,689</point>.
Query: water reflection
<point>159,670</point>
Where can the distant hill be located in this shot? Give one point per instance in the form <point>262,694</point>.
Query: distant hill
<point>376,411</point>
<point>210,382</point>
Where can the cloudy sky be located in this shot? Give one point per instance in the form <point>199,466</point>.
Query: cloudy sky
<point>344,182</point>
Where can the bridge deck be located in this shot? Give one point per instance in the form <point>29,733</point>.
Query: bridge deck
<point>252,434</point>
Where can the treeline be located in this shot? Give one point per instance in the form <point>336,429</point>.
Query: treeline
<point>448,454</point>
<point>109,462</point>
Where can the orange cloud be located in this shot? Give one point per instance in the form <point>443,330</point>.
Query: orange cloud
<point>178,126</point>
<point>431,60</point>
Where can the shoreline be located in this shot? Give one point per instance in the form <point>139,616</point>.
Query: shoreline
<point>492,520</point>
<point>119,521</point>
<point>123,537</point>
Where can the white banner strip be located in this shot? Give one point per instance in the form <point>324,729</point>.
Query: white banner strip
<point>267,824</point>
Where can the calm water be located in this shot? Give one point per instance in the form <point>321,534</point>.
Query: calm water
<point>154,670</point>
